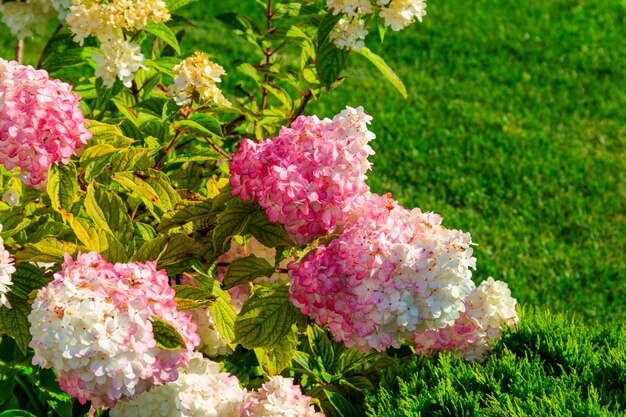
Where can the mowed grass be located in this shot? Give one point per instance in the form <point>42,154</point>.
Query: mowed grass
<point>514,130</point>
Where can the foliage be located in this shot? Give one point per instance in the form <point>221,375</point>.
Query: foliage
<point>552,366</point>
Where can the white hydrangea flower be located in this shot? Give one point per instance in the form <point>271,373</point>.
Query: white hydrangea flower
<point>198,73</point>
<point>137,13</point>
<point>492,305</point>
<point>118,59</point>
<point>6,270</point>
<point>400,13</point>
<point>279,397</point>
<point>211,341</point>
<point>95,19</point>
<point>201,391</point>
<point>23,18</point>
<point>349,33</point>
<point>350,7</point>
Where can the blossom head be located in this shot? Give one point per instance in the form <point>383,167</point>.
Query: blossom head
<point>201,390</point>
<point>391,273</point>
<point>93,325</point>
<point>198,74</point>
<point>309,176</point>
<point>118,59</point>
<point>6,270</point>
<point>399,14</point>
<point>488,308</point>
<point>279,397</point>
<point>40,122</point>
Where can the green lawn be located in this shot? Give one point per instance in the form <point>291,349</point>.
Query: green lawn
<point>514,130</point>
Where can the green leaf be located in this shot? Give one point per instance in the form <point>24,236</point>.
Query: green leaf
<point>108,212</point>
<point>330,60</point>
<point>276,359</point>
<point>209,123</point>
<point>265,318</point>
<point>151,250</point>
<point>341,404</point>
<point>232,221</point>
<point>177,4</point>
<point>222,310</point>
<point>153,187</point>
<point>26,278</point>
<point>98,240</point>
<point>321,346</point>
<point>168,250</point>
<point>242,270</point>
<point>188,297</point>
<point>62,186</point>
<point>104,133</point>
<point>359,383</point>
<point>185,212</point>
<point>163,32</point>
<point>16,413</point>
<point>47,250</point>
<point>242,26</point>
<point>268,233</point>
<point>7,382</point>
<point>14,321</point>
<point>384,69</point>
<point>166,336</point>
<point>159,107</point>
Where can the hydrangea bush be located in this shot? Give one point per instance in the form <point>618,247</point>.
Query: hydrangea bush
<point>151,220</point>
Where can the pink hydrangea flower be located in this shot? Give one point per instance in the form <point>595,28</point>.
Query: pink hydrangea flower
<point>309,175</point>
<point>40,122</point>
<point>392,273</point>
<point>279,397</point>
<point>488,308</point>
<point>93,325</point>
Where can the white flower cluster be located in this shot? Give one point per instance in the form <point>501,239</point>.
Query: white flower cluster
<point>198,74</point>
<point>108,22</point>
<point>211,341</point>
<point>399,14</point>
<point>24,18</point>
<point>349,32</point>
<point>118,59</point>
<point>488,308</point>
<point>279,397</point>
<point>6,270</point>
<point>201,391</point>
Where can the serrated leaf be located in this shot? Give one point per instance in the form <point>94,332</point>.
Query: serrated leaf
<point>232,221</point>
<point>26,278</point>
<point>177,4</point>
<point>14,321</point>
<point>47,250</point>
<point>151,250</point>
<point>166,336</point>
<point>276,359</point>
<point>62,186</point>
<point>265,318</point>
<point>209,123</point>
<point>330,60</point>
<point>243,270</point>
<point>385,70</point>
<point>108,134</point>
<point>163,32</point>
<point>159,107</point>
<point>268,233</point>
<point>343,406</point>
<point>185,212</point>
<point>358,383</point>
<point>108,212</point>
<point>95,152</point>
<point>153,187</point>
<point>131,160</point>
<point>188,297</point>
<point>179,247</point>
<point>321,346</point>
<point>222,311</point>
<point>98,240</point>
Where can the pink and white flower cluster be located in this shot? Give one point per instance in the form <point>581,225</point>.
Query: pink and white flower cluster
<point>306,178</point>
<point>40,122</point>
<point>488,308</point>
<point>93,325</point>
<point>279,397</point>
<point>392,273</point>
<point>6,270</point>
<point>204,391</point>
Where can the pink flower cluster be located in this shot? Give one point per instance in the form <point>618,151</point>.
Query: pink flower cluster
<point>40,122</point>
<point>307,177</point>
<point>487,309</point>
<point>279,397</point>
<point>93,325</point>
<point>393,272</point>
